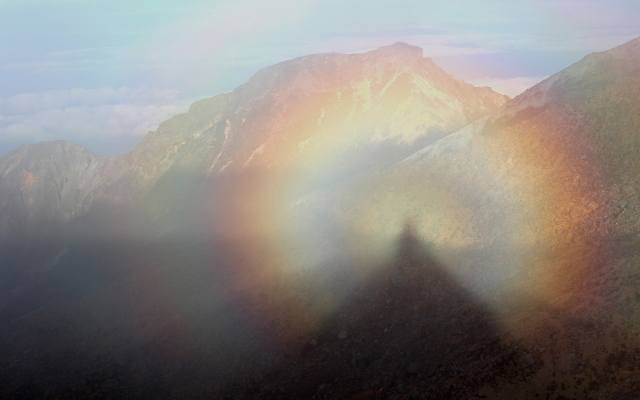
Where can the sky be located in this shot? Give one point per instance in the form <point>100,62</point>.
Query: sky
<point>104,73</point>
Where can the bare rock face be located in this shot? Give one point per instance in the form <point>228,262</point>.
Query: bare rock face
<point>45,183</point>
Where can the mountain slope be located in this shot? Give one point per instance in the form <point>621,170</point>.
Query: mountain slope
<point>530,212</point>
<point>289,112</point>
<point>384,102</point>
<point>45,183</point>
<point>539,205</point>
<point>562,150</point>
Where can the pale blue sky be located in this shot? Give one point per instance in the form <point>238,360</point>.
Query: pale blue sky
<point>102,73</point>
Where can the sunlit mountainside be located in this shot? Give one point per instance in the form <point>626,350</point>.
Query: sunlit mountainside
<point>355,226</point>
<point>391,101</point>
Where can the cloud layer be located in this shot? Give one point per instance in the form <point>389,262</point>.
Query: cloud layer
<point>104,119</point>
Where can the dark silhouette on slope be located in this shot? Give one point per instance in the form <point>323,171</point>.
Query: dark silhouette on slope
<point>413,332</point>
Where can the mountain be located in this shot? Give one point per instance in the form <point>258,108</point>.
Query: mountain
<point>554,166</point>
<point>538,209</point>
<point>192,222</point>
<point>45,183</point>
<point>559,157</point>
<point>287,113</point>
<point>250,246</point>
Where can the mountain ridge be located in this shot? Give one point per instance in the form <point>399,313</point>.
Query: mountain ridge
<point>235,221</point>
<point>253,123</point>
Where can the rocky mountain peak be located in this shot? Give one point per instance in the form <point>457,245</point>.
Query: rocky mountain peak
<point>48,181</point>
<point>331,70</point>
<point>398,51</point>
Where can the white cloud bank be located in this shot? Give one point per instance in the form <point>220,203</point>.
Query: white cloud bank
<point>99,118</point>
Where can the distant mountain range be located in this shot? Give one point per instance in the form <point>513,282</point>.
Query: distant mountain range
<point>263,193</point>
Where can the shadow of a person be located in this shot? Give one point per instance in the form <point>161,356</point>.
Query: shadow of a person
<point>412,332</point>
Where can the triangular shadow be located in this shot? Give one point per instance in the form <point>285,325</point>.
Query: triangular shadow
<point>412,331</point>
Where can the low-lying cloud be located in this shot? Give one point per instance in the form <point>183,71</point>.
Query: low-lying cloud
<point>103,119</point>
